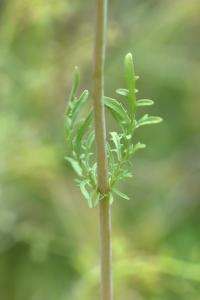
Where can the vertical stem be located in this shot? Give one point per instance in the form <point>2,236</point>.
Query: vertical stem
<point>106,252</point>
<point>100,133</point>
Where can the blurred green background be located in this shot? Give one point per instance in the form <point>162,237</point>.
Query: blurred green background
<point>48,237</point>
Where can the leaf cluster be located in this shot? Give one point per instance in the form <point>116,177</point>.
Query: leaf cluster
<point>120,146</point>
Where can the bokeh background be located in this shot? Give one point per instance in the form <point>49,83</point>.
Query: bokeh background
<point>48,237</point>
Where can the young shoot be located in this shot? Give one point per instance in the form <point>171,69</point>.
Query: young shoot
<point>120,147</point>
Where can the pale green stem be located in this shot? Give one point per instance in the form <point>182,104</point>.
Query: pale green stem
<point>102,164</point>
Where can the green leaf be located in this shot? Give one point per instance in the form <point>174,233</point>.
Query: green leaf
<point>138,146</point>
<point>117,110</point>
<point>147,120</point>
<point>110,157</point>
<point>90,139</point>
<point>68,122</point>
<point>68,129</point>
<point>75,83</point>
<point>75,165</point>
<point>120,194</point>
<point>128,137</point>
<point>85,193</point>
<point>124,92</point>
<point>78,104</point>
<point>126,174</point>
<point>116,140</point>
<point>144,102</point>
<point>93,172</point>
<point>130,79</point>
<point>83,128</point>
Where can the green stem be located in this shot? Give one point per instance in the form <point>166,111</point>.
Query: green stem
<point>102,164</point>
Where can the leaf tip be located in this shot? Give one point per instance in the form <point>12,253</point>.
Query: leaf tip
<point>77,73</point>
<point>76,68</point>
<point>129,56</point>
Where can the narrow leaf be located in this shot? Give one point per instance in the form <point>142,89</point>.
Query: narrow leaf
<point>75,165</point>
<point>110,157</point>
<point>78,104</point>
<point>126,174</point>
<point>147,120</point>
<point>93,172</point>
<point>138,146</point>
<point>124,92</point>
<point>75,83</point>
<point>82,130</point>
<point>117,110</point>
<point>144,102</point>
<point>116,140</point>
<point>85,193</point>
<point>130,78</point>
<point>120,194</point>
<point>90,139</point>
<point>68,129</point>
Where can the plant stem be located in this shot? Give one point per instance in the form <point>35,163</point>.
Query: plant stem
<point>106,252</point>
<point>100,134</point>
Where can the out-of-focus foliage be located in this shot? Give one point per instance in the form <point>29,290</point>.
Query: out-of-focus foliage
<point>48,237</point>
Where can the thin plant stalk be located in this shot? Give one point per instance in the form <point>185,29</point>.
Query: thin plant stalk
<point>96,183</point>
<point>102,164</point>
